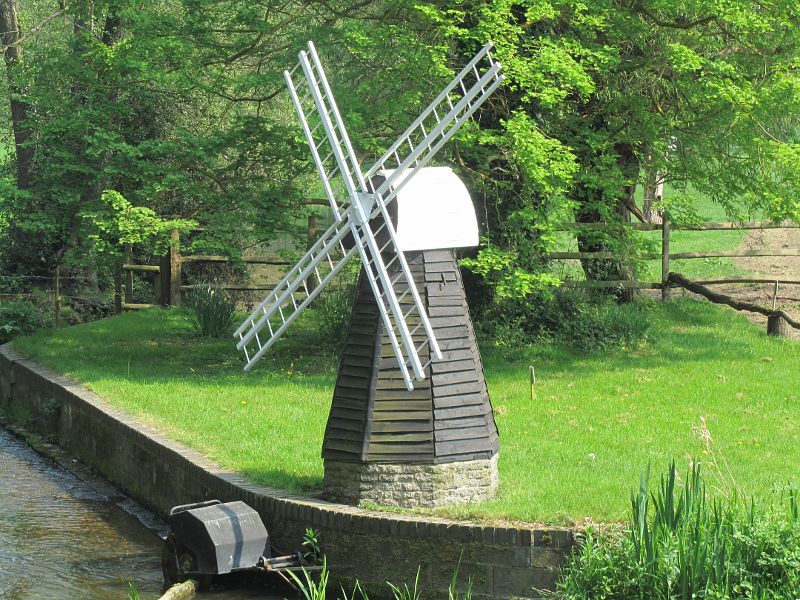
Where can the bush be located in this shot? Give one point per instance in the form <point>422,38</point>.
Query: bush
<point>680,543</point>
<point>570,316</point>
<point>334,305</point>
<point>209,311</point>
<point>19,318</point>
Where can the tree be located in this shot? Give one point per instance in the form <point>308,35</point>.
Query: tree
<point>10,39</point>
<point>707,91</point>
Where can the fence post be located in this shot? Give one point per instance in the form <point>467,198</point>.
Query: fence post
<point>665,259</point>
<point>128,274</point>
<point>312,233</point>
<point>57,298</point>
<point>175,268</point>
<point>118,290</point>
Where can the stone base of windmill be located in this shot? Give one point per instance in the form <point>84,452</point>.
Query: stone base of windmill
<point>412,486</point>
<point>432,446</point>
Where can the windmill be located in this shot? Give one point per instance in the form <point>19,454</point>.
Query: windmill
<point>402,219</point>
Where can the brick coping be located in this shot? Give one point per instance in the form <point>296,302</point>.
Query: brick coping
<point>315,512</point>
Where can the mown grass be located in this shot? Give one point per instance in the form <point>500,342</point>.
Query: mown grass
<point>596,423</point>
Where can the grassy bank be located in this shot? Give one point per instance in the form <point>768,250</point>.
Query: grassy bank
<point>596,423</point>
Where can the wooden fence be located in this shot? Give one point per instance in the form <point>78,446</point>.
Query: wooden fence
<point>167,275</point>
<point>666,256</point>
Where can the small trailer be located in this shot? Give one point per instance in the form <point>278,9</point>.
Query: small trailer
<point>215,538</point>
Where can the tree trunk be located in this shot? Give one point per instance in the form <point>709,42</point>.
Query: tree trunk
<point>12,54</point>
<point>618,269</point>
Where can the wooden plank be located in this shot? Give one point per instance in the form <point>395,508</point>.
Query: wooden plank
<point>460,423</point>
<point>175,262</point>
<point>344,435</point>
<point>352,381</point>
<point>385,448</point>
<point>361,372</point>
<point>440,266</point>
<point>134,306</point>
<point>600,255</point>
<point>402,405</point>
<point>418,415</point>
<point>457,343</point>
<point>609,226</point>
<point>442,278</point>
<point>256,260</point>
<point>340,401</point>
<point>463,446</point>
<point>438,256</point>
<point>449,333</point>
<point>453,378</point>
<point>343,412</point>
<point>454,365</point>
<point>141,268</point>
<point>425,457</point>
<point>680,280</point>
<point>441,391</point>
<point>746,279</point>
<point>735,253</point>
<point>465,433</point>
<point>702,227</point>
<point>447,289</point>
<point>460,412</point>
<point>444,311</point>
<point>410,426</point>
<point>627,284</point>
<point>400,437</point>
<point>440,402</point>
<point>346,446</point>
<point>452,320</point>
<point>450,355</point>
<point>354,360</point>
<point>416,394</point>
<point>451,300</point>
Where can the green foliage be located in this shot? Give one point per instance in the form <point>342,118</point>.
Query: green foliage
<point>19,318</point>
<point>403,592</point>
<point>311,552</point>
<point>333,306</point>
<point>133,592</point>
<point>681,543</point>
<point>308,587</point>
<point>116,222</point>
<point>599,96</point>
<point>209,311</point>
<point>569,316</point>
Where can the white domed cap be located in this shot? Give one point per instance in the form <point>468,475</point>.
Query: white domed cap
<point>434,211</point>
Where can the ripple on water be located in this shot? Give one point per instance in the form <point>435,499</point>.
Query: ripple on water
<point>59,539</point>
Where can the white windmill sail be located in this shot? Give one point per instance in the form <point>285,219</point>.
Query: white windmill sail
<point>360,205</point>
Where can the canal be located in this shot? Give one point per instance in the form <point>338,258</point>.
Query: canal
<point>64,538</point>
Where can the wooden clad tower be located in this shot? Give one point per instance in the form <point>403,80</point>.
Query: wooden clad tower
<point>376,422</point>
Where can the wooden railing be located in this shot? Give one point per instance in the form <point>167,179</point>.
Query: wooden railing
<point>168,276</point>
<point>666,256</point>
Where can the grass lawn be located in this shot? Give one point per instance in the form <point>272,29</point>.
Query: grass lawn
<point>576,451</point>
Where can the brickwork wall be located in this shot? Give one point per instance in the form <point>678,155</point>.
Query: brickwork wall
<point>411,486</point>
<point>371,546</point>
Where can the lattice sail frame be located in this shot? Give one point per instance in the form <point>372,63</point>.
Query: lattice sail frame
<point>337,165</point>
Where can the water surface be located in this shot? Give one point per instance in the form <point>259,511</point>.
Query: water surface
<point>60,538</point>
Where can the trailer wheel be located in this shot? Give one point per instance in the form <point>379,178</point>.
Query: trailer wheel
<point>169,563</point>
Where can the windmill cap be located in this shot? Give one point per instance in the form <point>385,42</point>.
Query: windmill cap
<point>434,211</point>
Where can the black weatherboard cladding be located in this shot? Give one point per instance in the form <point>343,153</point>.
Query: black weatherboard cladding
<point>447,417</point>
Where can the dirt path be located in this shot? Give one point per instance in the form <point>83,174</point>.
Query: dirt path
<point>788,297</point>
